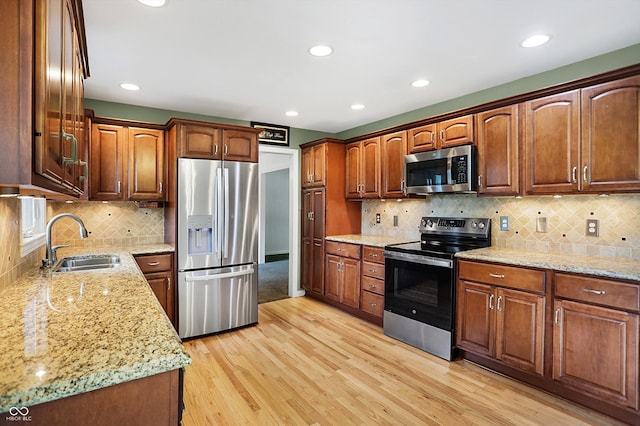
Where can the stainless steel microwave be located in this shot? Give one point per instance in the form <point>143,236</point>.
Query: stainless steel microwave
<point>441,171</point>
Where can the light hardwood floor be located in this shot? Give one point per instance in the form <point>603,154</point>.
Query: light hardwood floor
<point>307,363</point>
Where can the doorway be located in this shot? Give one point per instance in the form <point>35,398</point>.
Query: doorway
<point>274,164</point>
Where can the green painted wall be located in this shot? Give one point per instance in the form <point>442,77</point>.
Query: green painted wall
<point>161,116</point>
<point>599,64</point>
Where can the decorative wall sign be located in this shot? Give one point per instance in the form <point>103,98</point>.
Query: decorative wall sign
<point>272,134</point>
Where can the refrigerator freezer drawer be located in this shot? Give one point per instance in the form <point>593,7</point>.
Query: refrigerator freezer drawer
<point>216,300</point>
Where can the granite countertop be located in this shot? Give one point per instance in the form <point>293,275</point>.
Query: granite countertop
<point>607,267</point>
<point>67,333</point>
<point>368,240</point>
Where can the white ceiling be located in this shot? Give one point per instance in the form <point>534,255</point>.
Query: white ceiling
<point>248,60</point>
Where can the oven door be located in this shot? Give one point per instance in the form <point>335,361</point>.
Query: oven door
<point>420,287</point>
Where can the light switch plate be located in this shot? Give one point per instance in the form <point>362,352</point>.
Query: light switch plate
<point>593,228</point>
<point>541,224</point>
<point>504,223</point>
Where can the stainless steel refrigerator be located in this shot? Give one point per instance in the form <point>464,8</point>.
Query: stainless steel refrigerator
<point>217,245</point>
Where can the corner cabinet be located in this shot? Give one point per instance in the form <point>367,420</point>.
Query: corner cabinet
<point>44,66</point>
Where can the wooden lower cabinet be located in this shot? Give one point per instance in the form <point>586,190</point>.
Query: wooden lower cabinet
<point>342,276</point>
<point>158,271</point>
<point>372,281</point>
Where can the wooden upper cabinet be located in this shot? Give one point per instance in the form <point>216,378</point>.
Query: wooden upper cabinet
<point>443,134</point>
<point>551,144</point>
<point>611,136</point>
<point>394,148</point>
<point>107,151</point>
<point>498,142</point>
<point>422,138</point>
<point>146,164</point>
<point>457,131</point>
<point>199,141</point>
<point>240,145</point>
<point>363,169</point>
<point>314,165</point>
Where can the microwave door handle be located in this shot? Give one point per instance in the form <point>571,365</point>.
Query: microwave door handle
<point>225,235</point>
<point>210,277</point>
<point>219,212</point>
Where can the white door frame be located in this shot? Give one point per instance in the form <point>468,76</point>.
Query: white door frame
<point>294,214</point>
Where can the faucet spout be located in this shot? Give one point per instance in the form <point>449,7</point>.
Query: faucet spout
<point>51,250</point>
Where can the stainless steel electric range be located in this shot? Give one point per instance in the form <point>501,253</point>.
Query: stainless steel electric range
<point>420,282</point>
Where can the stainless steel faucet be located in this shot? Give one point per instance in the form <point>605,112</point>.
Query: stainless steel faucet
<point>52,257</point>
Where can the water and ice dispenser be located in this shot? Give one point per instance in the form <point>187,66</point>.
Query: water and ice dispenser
<point>200,234</point>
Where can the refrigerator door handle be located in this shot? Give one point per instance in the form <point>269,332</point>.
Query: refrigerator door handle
<point>210,277</point>
<point>225,235</point>
<point>219,213</point>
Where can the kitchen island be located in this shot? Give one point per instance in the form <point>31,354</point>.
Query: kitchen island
<point>94,345</point>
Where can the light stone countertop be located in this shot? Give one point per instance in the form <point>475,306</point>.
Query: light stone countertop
<point>369,240</point>
<point>67,333</point>
<point>606,267</point>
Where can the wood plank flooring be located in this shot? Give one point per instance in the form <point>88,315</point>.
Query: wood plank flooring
<point>307,363</point>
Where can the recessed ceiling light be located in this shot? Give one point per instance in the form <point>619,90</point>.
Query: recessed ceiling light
<point>321,50</point>
<point>153,3</point>
<point>535,40</point>
<point>420,83</point>
<point>357,106</point>
<point>130,86</point>
<point>291,113</point>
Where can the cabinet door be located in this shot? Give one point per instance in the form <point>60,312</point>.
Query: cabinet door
<point>161,284</point>
<point>370,168</point>
<point>595,350</point>
<point>352,170</point>
<point>318,169</point>
<point>498,170</point>
<point>67,113</point>
<point>394,148</point>
<point>307,167</point>
<point>520,330</point>
<point>238,145</point>
<point>350,282</point>
<point>306,264</point>
<point>197,141</point>
<point>475,325</point>
<point>333,277</point>
<point>107,148</point>
<point>317,270</point>
<point>457,131</point>
<point>551,144</point>
<point>611,136</point>
<point>307,210</point>
<point>422,138</point>
<point>146,164</point>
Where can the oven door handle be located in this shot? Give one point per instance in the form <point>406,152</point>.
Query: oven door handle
<point>414,258</point>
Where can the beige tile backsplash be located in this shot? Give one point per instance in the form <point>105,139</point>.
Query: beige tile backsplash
<point>619,217</point>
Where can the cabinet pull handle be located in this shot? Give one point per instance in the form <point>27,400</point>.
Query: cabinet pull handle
<point>215,149</point>
<point>372,286</point>
<point>573,174</point>
<point>84,164</point>
<point>118,187</point>
<point>311,216</point>
<point>168,283</point>
<point>74,149</point>
<point>499,301</point>
<point>226,149</point>
<point>557,315</point>
<point>442,135</point>
<point>491,301</point>
<point>153,263</point>
<point>588,290</point>
<point>373,305</point>
<point>479,181</point>
<point>432,133</point>
<point>373,254</point>
<point>496,275</point>
<point>584,174</point>
<point>160,188</point>
<point>373,271</point>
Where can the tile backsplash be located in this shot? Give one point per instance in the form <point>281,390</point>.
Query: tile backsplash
<point>618,216</point>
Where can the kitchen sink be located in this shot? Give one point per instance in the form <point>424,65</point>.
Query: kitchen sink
<point>86,263</point>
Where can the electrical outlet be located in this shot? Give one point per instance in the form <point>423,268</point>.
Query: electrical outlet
<point>541,224</point>
<point>395,220</point>
<point>377,217</point>
<point>504,223</point>
<point>593,228</point>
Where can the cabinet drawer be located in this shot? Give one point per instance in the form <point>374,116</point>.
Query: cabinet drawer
<point>373,285</point>
<point>343,249</point>
<point>374,270</point>
<point>502,275</point>
<point>155,262</point>
<point>373,254</point>
<point>372,303</point>
<point>595,290</point>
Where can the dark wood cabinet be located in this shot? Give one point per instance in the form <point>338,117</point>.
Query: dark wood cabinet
<point>127,163</point>
<point>313,232</point>
<point>393,148</point>
<point>158,271</point>
<point>505,321</point>
<point>498,151</point>
<point>313,166</point>
<point>444,134</point>
<point>363,169</point>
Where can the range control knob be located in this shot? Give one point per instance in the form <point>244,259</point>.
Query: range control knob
<point>429,223</point>
<point>474,225</point>
<point>481,225</point>
<point>423,223</point>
